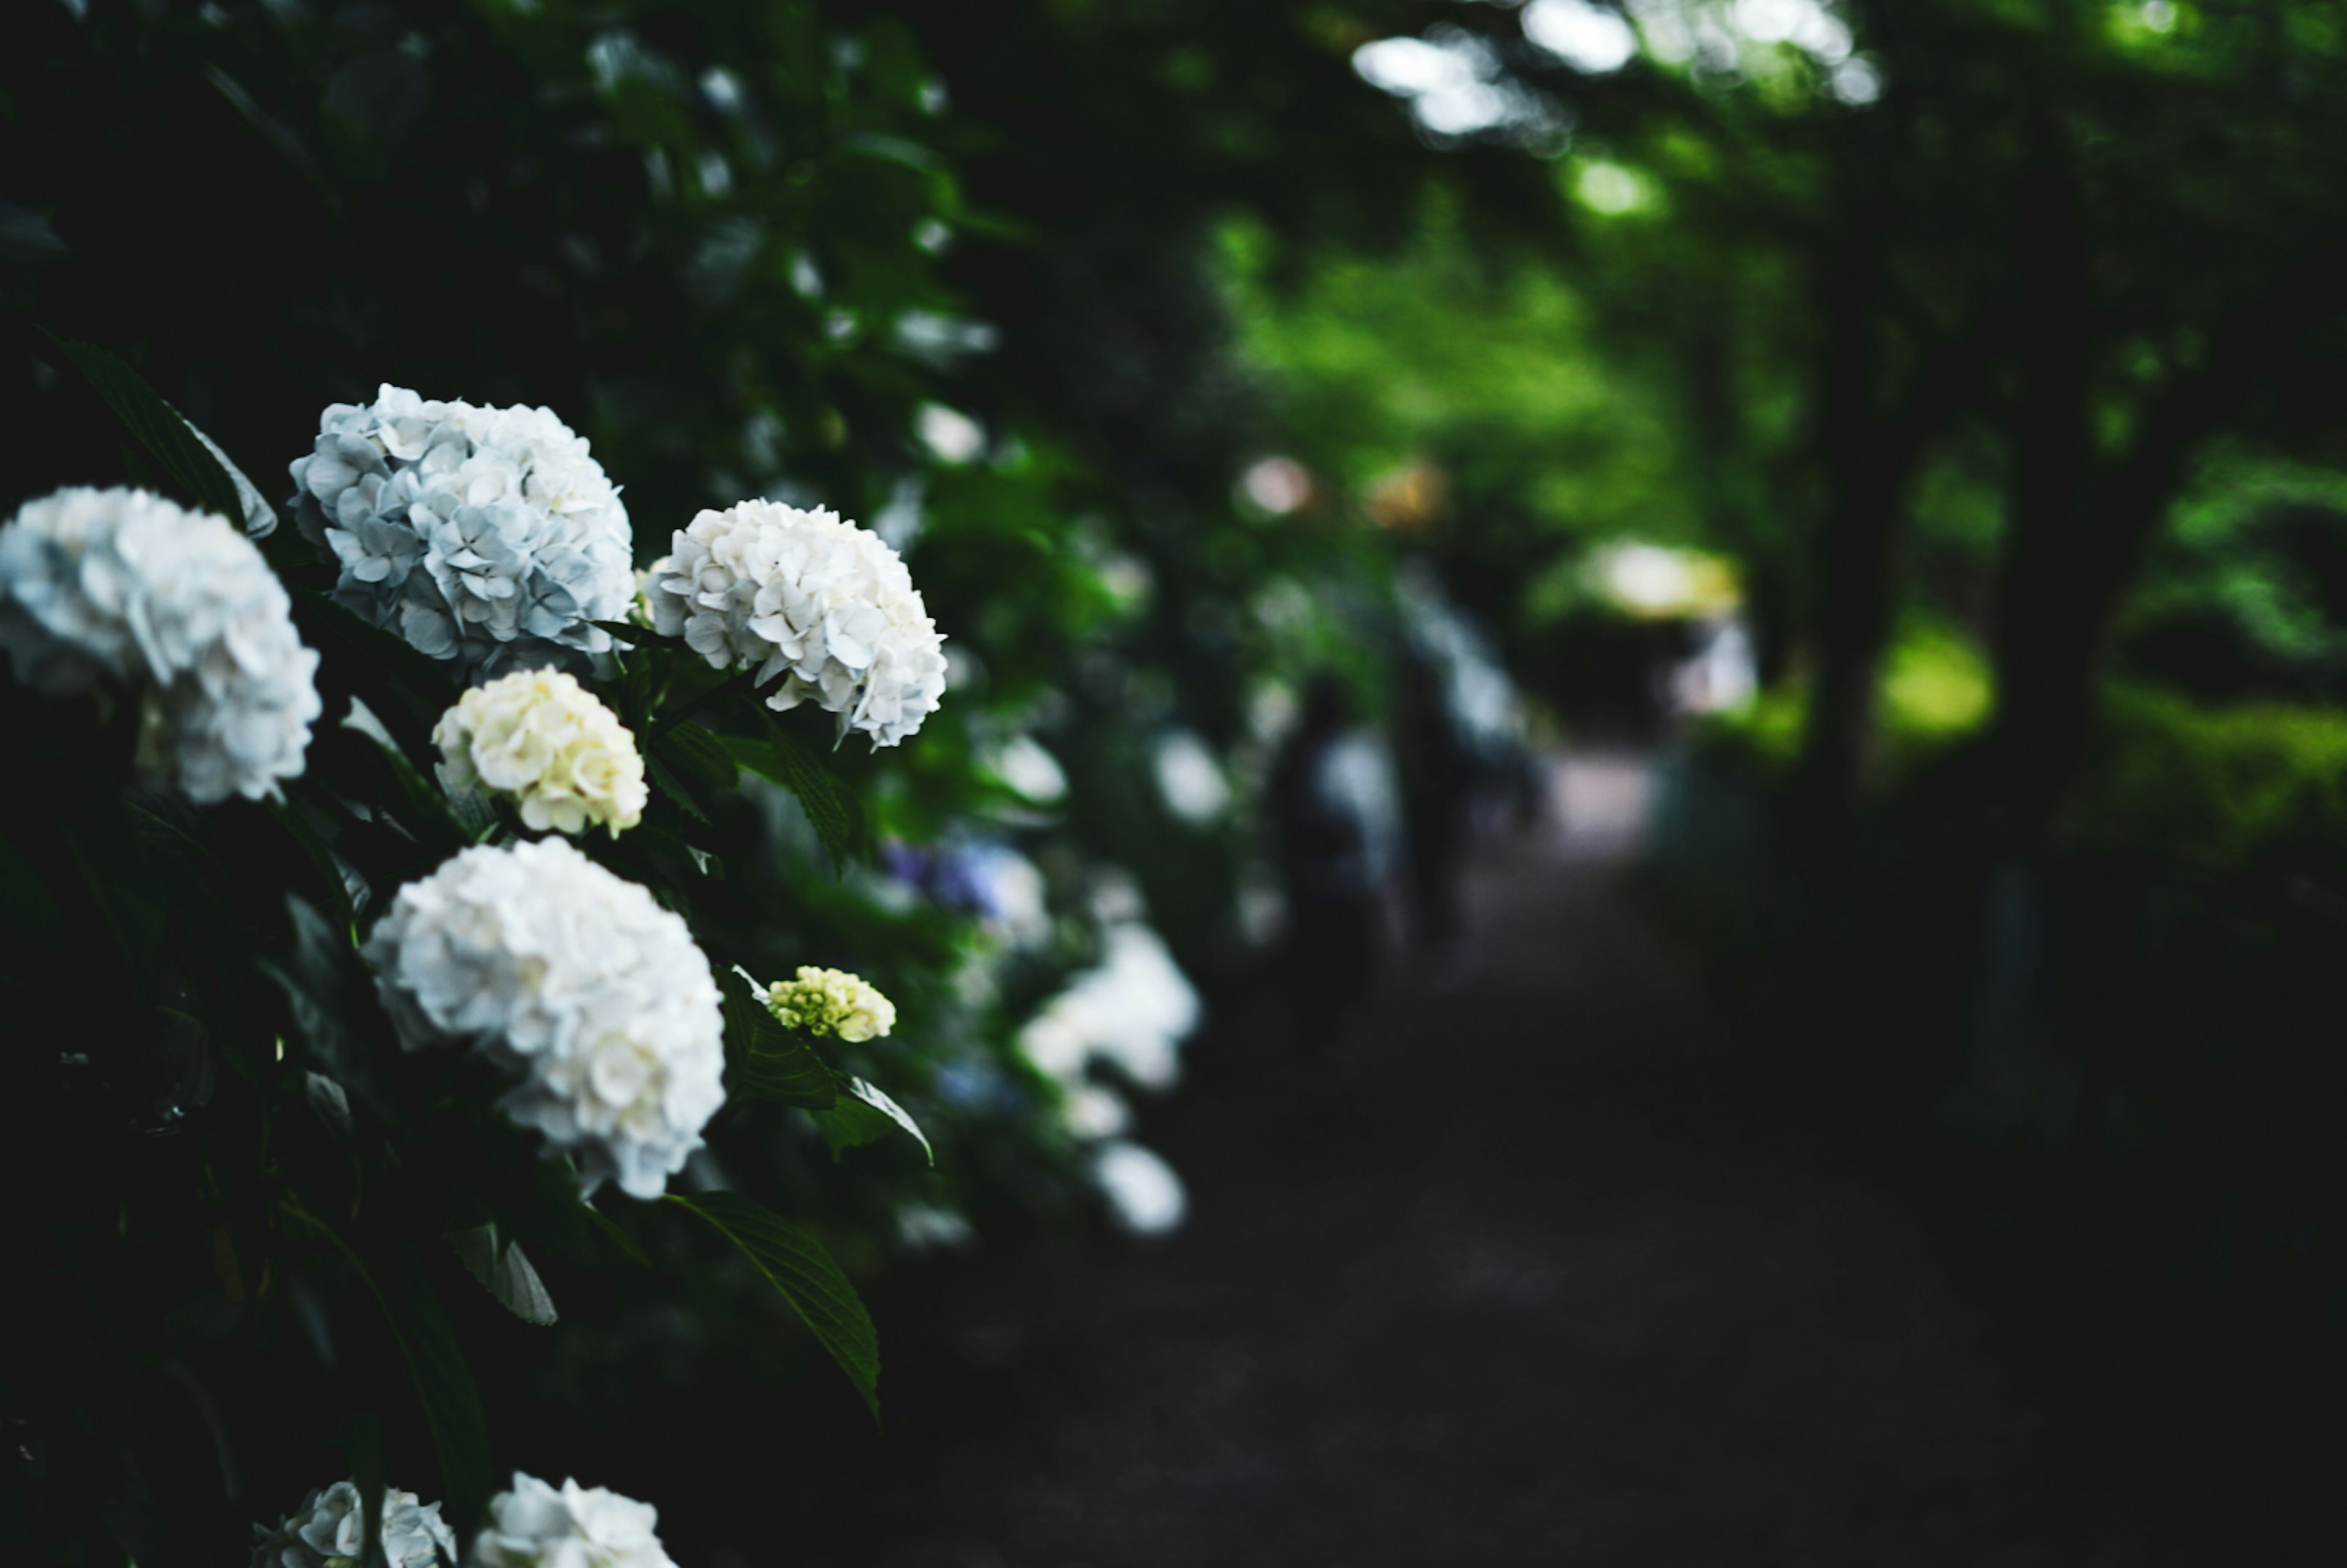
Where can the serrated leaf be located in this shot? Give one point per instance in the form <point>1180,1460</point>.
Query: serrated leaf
<point>766,1061</point>
<point>698,755</point>
<point>798,1265</point>
<point>257,516</point>
<point>782,758</point>
<point>664,779</point>
<point>850,1123</point>
<point>504,1273</point>
<point>187,456</point>
<point>627,631</point>
<point>872,1096</point>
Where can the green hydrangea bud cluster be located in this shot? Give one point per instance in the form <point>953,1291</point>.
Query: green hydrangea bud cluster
<point>832,1002</point>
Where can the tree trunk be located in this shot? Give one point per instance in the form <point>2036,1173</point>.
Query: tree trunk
<point>2079,527</point>
<point>1851,551</point>
<point>2046,627</point>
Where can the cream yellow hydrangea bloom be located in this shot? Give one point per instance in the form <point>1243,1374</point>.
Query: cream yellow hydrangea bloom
<point>542,738</point>
<point>833,1003</point>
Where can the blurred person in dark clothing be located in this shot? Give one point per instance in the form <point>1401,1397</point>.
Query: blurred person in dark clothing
<point>1332,819</point>
<point>1439,771</point>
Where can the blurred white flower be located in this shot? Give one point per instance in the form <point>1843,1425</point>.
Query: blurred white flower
<point>487,535</point>
<point>576,981</point>
<point>1014,897</point>
<point>1131,1013</point>
<point>1091,1113</point>
<point>541,737</point>
<point>1276,485</point>
<point>326,1529</point>
<point>922,1228</point>
<point>830,1002</point>
<point>951,436</point>
<point>124,585</point>
<point>1143,1192</point>
<point>1054,1047</point>
<point>809,597</point>
<point>1589,38</point>
<point>1189,779</point>
<point>1029,769</point>
<point>535,1526</point>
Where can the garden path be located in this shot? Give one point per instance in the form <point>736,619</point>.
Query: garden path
<point>1541,1275</point>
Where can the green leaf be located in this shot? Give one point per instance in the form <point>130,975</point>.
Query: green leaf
<point>628,632</point>
<point>796,1264</point>
<point>783,758</point>
<point>698,755</point>
<point>614,1234</point>
<point>321,856</point>
<point>766,1061</point>
<point>435,1364</point>
<point>498,1263</point>
<point>423,683</point>
<point>432,814</point>
<point>362,1446</point>
<point>30,915</point>
<point>118,884</point>
<point>664,779</point>
<point>187,455</point>
<point>321,980</point>
<point>852,1122</point>
<point>452,1401</point>
<point>870,1095</point>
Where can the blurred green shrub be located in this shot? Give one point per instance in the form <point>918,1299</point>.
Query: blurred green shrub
<point>2222,786</point>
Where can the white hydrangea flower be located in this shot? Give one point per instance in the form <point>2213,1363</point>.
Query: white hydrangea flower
<point>830,1002</point>
<point>126,586</point>
<point>486,536</point>
<point>326,1529</point>
<point>594,996</point>
<point>809,597</point>
<point>535,1526</point>
<point>541,737</point>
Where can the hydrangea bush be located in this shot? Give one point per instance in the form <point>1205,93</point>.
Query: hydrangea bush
<point>484,1030</point>
<point>358,1059</point>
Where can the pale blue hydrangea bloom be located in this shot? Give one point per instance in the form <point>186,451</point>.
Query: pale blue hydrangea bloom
<point>488,537</point>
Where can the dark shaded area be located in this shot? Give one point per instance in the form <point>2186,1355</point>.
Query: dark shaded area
<point>2105,1073</point>
<point>1543,1271</point>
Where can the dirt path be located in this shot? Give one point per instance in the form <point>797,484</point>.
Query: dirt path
<point>1541,1277</point>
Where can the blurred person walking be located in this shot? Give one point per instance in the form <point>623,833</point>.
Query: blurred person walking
<point>1440,773</point>
<point>1333,821</point>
